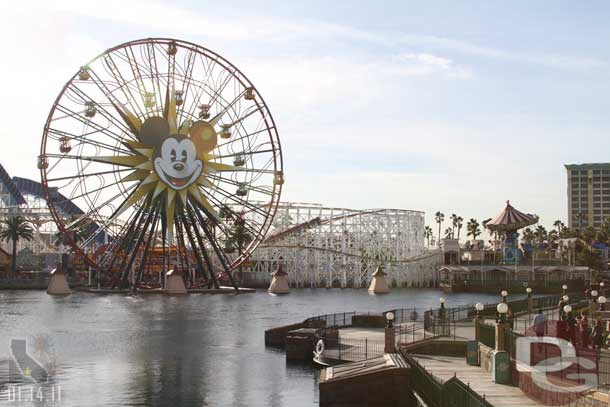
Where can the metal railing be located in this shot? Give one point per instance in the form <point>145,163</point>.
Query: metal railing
<point>435,393</point>
<point>333,320</point>
<point>351,349</point>
<point>487,335</point>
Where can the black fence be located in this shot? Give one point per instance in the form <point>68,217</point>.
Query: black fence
<point>487,335</point>
<point>351,349</point>
<point>332,320</point>
<point>452,393</point>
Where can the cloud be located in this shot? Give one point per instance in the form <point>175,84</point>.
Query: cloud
<point>153,14</point>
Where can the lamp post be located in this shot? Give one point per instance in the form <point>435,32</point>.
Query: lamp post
<point>504,294</point>
<point>389,317</point>
<point>479,307</point>
<point>602,289</point>
<point>602,300</point>
<point>390,342</point>
<point>477,321</point>
<point>564,288</point>
<point>441,312</point>
<point>502,309</point>
<point>530,301</point>
<point>567,309</point>
<point>594,305</point>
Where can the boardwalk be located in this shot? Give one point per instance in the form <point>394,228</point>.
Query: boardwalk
<point>445,367</point>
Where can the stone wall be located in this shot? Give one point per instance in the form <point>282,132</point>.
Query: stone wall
<point>390,388</point>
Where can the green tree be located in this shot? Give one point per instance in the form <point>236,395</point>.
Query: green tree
<point>588,235</point>
<point>14,228</point>
<point>439,217</point>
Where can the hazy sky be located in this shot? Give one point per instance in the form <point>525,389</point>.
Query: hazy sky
<point>420,105</point>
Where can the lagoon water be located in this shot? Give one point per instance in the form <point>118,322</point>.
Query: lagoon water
<point>196,350</point>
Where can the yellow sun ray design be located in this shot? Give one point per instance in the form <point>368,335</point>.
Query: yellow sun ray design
<point>156,139</point>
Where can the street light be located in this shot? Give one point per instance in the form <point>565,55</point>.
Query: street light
<point>528,290</point>
<point>567,309</point>
<point>502,309</point>
<point>389,316</point>
<point>601,287</point>
<point>441,312</point>
<point>504,294</point>
<point>479,307</point>
<point>602,301</point>
<point>594,294</point>
<point>565,288</point>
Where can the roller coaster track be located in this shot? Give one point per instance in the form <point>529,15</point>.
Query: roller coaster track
<point>423,256</point>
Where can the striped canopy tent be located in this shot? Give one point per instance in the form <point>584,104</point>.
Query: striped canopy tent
<point>511,219</point>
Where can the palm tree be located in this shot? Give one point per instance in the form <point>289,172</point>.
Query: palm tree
<point>541,235</point>
<point>427,234</point>
<point>579,217</point>
<point>439,217</point>
<point>15,228</point>
<point>559,225</point>
<point>473,229</point>
<point>448,233</point>
<point>459,226</point>
<point>528,235</point>
<point>453,218</point>
<point>239,236</point>
<point>588,235</point>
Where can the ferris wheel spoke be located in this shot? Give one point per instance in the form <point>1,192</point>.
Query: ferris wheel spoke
<point>221,88</point>
<point>74,115</point>
<point>233,199</point>
<point>81,176</point>
<point>103,112</point>
<point>245,137</point>
<point>154,69</point>
<point>237,184</point>
<point>186,85</point>
<point>96,209</point>
<point>84,140</point>
<point>120,80</point>
<point>135,69</point>
<point>112,98</point>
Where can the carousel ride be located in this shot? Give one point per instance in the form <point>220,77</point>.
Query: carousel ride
<point>505,226</point>
<point>174,159</point>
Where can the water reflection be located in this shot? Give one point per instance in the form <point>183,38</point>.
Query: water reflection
<point>194,350</point>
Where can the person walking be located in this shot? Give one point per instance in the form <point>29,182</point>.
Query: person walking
<point>597,336</point>
<point>584,329</point>
<point>539,327</point>
<point>572,328</point>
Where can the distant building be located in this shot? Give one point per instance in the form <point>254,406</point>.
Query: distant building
<point>588,194</point>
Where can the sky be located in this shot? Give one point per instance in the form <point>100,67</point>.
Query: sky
<point>429,105</point>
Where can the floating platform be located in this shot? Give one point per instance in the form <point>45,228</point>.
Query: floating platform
<point>221,290</point>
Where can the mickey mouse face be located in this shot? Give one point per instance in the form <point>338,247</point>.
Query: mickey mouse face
<point>177,165</point>
<point>175,158</point>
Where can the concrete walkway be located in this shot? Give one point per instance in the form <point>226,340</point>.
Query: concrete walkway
<point>445,367</point>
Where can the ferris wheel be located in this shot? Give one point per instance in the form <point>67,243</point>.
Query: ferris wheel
<point>166,156</point>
